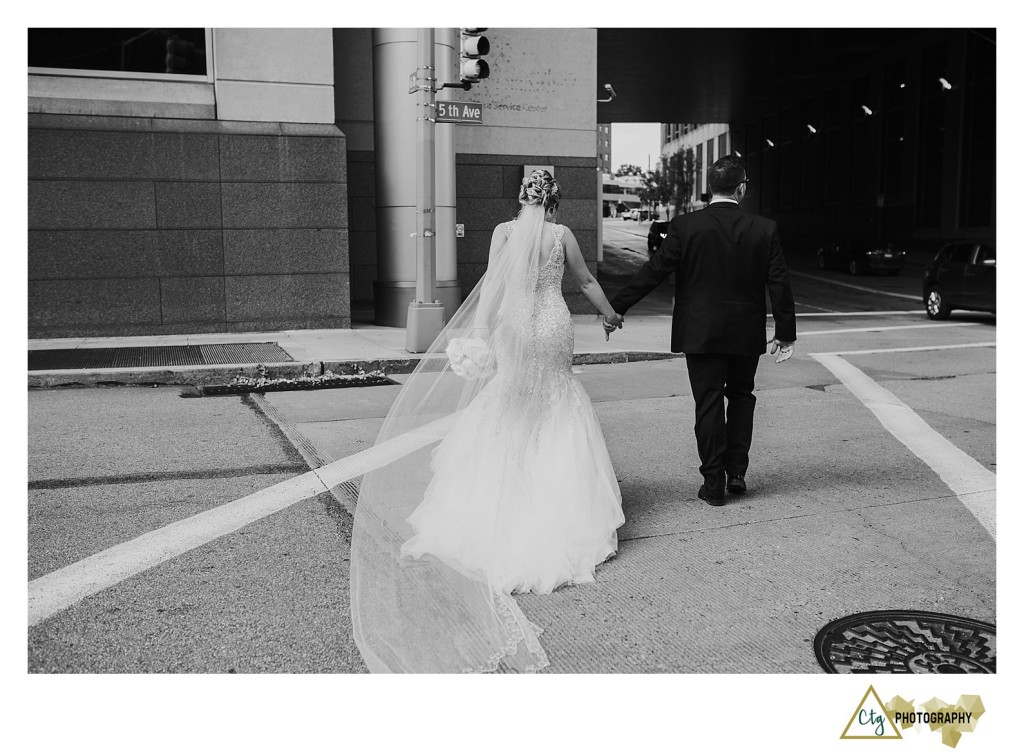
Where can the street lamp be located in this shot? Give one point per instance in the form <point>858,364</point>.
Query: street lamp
<point>611,93</point>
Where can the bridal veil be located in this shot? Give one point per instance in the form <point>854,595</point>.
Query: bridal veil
<point>420,614</point>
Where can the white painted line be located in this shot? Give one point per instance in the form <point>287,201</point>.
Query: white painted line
<point>905,350</point>
<point>886,329</point>
<point>858,287</point>
<point>973,483</point>
<point>862,313</point>
<point>820,308</point>
<point>62,588</point>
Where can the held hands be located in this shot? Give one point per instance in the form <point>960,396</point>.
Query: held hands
<point>611,324</point>
<point>784,349</point>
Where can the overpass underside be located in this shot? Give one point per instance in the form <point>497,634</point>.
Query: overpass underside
<point>844,131</point>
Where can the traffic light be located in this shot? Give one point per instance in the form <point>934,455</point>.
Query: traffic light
<point>474,45</point>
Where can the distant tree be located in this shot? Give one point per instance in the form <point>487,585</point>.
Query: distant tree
<point>675,179</point>
<point>628,170</point>
<point>648,192</point>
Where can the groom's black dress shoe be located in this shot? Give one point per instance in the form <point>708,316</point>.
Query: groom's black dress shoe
<point>736,484</point>
<point>714,501</point>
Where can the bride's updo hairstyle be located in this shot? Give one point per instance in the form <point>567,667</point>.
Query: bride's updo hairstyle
<point>540,188</point>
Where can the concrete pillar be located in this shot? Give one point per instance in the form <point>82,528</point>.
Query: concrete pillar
<point>446,60</point>
<point>394,133</point>
<point>600,215</point>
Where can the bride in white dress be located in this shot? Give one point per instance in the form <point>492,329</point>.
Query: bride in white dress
<point>519,494</point>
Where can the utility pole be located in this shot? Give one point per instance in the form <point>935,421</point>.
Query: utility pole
<point>426,313</point>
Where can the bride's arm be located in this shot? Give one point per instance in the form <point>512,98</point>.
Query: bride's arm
<point>590,287</point>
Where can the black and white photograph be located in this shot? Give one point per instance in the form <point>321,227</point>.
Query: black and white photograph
<point>655,351</point>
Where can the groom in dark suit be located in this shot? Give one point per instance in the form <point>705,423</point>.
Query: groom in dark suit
<point>724,258</point>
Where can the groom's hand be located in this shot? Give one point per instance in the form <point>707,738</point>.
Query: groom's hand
<point>783,348</point>
<point>611,324</point>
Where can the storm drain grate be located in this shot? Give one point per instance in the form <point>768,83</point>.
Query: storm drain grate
<point>163,355</point>
<point>906,642</point>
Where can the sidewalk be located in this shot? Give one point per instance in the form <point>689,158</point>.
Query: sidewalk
<point>343,351</point>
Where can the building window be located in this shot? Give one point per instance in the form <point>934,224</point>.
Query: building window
<point>895,84</point>
<point>698,163</point>
<point>833,107</point>
<point>931,137</point>
<point>977,169</point>
<point>128,53</point>
<point>723,145</point>
<point>893,140</point>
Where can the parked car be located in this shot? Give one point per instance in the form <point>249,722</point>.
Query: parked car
<point>631,214</point>
<point>655,235</point>
<point>860,255</point>
<point>961,276</point>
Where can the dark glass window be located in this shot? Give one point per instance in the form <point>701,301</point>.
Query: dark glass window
<point>862,165</point>
<point>961,253</point>
<point>711,152</point>
<point>860,90</point>
<point>809,116</point>
<point>892,153</point>
<point>932,143</point>
<point>722,145</point>
<point>787,126</point>
<point>811,174</point>
<point>978,147</point>
<point>836,167</point>
<point>833,107</point>
<point>934,65</point>
<point>787,177</point>
<point>770,180</point>
<point>181,51</point>
<point>895,80</point>
<point>698,162</point>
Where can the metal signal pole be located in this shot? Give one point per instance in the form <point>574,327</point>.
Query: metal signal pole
<point>426,313</point>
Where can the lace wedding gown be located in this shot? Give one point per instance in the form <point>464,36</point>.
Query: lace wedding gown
<point>523,495</point>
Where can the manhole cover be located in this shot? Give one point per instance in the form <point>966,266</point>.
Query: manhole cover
<point>906,642</point>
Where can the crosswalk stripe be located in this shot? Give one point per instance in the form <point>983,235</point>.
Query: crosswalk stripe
<point>973,483</point>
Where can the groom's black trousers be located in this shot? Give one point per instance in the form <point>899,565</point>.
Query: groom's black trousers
<point>723,434</point>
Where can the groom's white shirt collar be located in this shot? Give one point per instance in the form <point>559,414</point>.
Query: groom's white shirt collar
<point>717,199</point>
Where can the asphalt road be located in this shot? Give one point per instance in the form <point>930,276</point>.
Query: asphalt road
<point>842,516</point>
<point>815,290</point>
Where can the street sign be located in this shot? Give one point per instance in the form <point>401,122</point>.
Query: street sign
<point>470,113</point>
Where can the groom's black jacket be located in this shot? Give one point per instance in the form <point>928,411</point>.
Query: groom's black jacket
<point>723,258</point>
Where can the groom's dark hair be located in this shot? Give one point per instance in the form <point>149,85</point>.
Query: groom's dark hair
<point>725,175</point>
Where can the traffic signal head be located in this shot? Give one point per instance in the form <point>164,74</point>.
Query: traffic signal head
<point>472,66</point>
